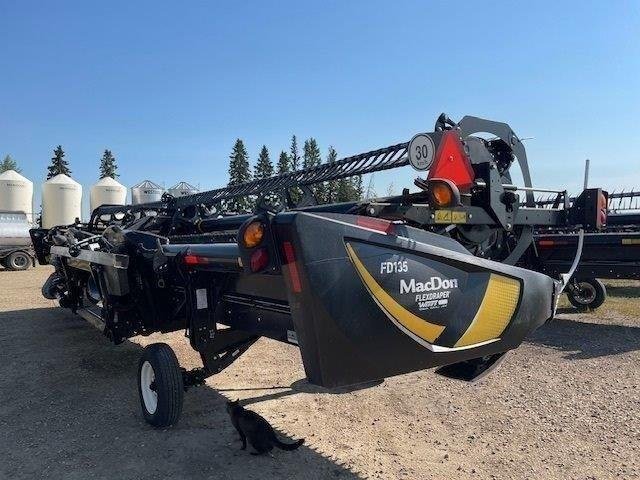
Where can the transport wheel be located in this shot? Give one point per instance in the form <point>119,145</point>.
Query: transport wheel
<point>18,261</point>
<point>160,385</point>
<point>587,294</point>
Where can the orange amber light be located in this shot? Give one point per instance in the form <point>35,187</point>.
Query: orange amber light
<point>442,194</point>
<point>253,234</point>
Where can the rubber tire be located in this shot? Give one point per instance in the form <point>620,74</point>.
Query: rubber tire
<point>10,261</point>
<point>600,297</point>
<point>169,385</point>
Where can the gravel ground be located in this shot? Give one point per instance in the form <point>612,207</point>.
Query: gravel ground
<point>564,405</point>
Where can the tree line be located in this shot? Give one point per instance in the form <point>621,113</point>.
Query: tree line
<point>60,165</point>
<point>240,171</point>
<point>343,190</point>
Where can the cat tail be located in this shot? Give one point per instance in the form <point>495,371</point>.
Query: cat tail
<point>288,446</point>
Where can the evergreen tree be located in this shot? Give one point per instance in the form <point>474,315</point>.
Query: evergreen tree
<point>108,165</point>
<point>294,164</point>
<point>58,164</point>
<point>311,158</point>
<point>332,185</point>
<point>283,163</point>
<point>344,190</point>
<point>357,187</point>
<point>294,155</point>
<point>349,189</point>
<point>264,167</point>
<point>9,164</point>
<point>311,154</point>
<point>239,172</point>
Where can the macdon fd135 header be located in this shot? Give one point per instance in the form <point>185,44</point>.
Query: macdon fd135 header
<point>366,289</point>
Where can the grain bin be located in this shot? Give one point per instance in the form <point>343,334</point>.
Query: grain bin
<point>146,192</point>
<point>107,191</point>
<point>182,189</point>
<point>61,201</point>
<point>16,193</point>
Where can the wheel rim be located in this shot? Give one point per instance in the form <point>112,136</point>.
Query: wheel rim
<point>148,388</point>
<point>585,293</point>
<point>19,261</point>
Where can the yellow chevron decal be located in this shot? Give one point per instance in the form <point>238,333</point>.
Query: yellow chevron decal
<point>495,312</point>
<point>414,324</point>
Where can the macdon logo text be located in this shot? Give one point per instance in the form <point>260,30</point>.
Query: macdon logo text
<point>431,285</point>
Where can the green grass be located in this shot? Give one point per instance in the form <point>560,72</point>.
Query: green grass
<point>623,299</point>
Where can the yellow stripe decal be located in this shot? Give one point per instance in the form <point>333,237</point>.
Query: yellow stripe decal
<point>416,325</point>
<point>495,312</point>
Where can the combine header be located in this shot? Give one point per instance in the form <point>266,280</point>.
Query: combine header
<point>612,252</point>
<point>366,289</point>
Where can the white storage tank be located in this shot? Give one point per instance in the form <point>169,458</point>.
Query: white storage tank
<point>61,201</point>
<point>146,192</point>
<point>14,229</point>
<point>107,191</point>
<point>182,189</point>
<point>16,193</point>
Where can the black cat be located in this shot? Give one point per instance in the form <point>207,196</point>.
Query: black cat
<point>252,426</point>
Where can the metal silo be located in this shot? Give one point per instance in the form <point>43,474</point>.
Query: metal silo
<point>146,192</point>
<point>182,189</point>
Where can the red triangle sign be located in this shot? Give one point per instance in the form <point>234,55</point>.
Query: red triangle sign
<point>451,162</point>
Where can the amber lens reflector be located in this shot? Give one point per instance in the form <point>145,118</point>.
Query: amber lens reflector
<point>442,194</point>
<point>253,234</point>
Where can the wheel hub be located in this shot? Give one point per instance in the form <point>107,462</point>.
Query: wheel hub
<point>148,387</point>
<point>586,294</point>
<point>20,261</point>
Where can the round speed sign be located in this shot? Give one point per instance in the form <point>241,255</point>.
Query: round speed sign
<point>421,152</point>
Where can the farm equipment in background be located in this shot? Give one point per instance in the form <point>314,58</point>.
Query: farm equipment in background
<point>609,253</point>
<point>366,289</point>
<point>16,251</point>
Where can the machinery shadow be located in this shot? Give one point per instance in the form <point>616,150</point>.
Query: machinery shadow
<point>299,386</point>
<point>583,340</point>
<point>69,408</point>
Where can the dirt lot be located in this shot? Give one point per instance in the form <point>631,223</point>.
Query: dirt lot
<point>564,405</point>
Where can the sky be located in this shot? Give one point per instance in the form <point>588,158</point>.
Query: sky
<point>169,86</point>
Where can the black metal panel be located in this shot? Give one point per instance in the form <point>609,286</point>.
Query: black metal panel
<point>345,336</point>
<point>604,255</point>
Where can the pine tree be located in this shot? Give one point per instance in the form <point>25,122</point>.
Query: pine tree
<point>9,164</point>
<point>357,187</point>
<point>344,190</point>
<point>264,167</point>
<point>349,189</point>
<point>58,164</point>
<point>294,164</point>
<point>311,158</point>
<point>294,155</point>
<point>239,172</point>
<point>108,165</point>
<point>283,163</point>
<point>311,154</point>
<point>332,185</point>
